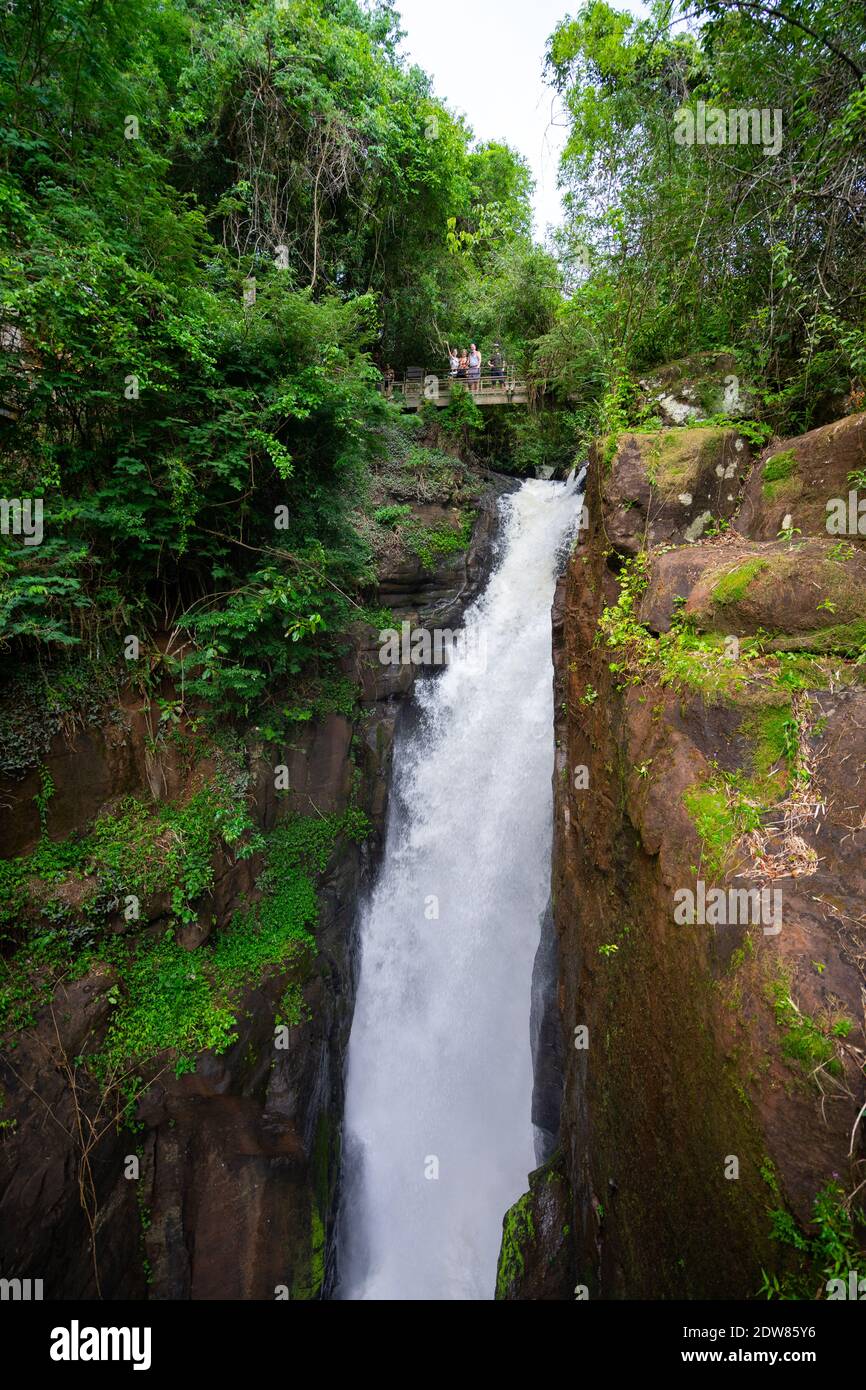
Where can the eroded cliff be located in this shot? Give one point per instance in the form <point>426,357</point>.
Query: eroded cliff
<point>178,919</point>
<point>711,734</point>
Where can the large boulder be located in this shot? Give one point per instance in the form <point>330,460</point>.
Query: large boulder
<point>802,595</point>
<point>696,388</point>
<point>795,480</point>
<point>668,486</point>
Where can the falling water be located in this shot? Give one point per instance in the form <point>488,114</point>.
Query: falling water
<point>438,1131</point>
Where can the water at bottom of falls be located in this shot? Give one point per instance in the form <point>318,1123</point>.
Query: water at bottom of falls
<point>438,1136</point>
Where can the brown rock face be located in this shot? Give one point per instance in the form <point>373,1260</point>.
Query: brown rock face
<point>668,486</point>
<point>228,1189</point>
<point>805,595</point>
<point>713,1058</point>
<point>797,478</point>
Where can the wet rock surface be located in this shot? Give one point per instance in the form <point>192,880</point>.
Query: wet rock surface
<point>238,1162</point>
<point>730,752</point>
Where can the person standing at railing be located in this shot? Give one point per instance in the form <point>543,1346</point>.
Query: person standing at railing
<point>453,360</point>
<point>462,366</point>
<point>474,368</point>
<point>497,366</point>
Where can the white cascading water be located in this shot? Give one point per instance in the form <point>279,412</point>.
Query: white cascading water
<point>439,1067</point>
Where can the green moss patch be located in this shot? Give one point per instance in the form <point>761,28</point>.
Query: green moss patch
<point>681,456</point>
<point>733,586</point>
<point>164,997</point>
<point>844,639</point>
<point>721,813</point>
<point>804,1041</point>
<point>308,1281</point>
<point>774,733</point>
<point>730,804</point>
<point>429,543</point>
<point>518,1229</point>
<point>141,849</point>
<point>433,543</point>
<point>181,1000</point>
<point>778,473</point>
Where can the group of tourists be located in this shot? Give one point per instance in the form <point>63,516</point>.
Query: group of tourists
<point>463,366</point>
<point>466,366</point>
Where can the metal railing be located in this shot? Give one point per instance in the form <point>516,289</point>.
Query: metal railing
<point>490,388</point>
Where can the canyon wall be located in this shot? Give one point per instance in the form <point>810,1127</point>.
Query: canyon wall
<point>225,1184</point>
<point>711,731</point>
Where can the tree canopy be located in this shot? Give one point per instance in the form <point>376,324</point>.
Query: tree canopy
<point>674,245</point>
<point>221,220</point>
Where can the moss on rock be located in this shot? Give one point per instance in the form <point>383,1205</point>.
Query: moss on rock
<point>518,1228</point>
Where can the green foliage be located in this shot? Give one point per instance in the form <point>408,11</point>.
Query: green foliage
<point>141,849</point>
<point>804,1041</point>
<point>460,419</point>
<point>722,811</point>
<point>829,1249</point>
<point>166,1001</point>
<point>202,459</point>
<point>392,514</point>
<point>432,543</point>
<point>673,247</point>
<point>292,1010</point>
<point>680,657</point>
<point>728,805</point>
<point>754,432</point>
<point>518,1232</point>
<point>429,543</point>
<point>776,739</point>
<point>165,996</point>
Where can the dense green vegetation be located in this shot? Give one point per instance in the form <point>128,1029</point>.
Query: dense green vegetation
<point>829,1251</point>
<point>677,247</point>
<point>79,905</point>
<point>221,221</point>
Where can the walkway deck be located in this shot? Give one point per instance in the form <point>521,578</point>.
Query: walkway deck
<point>437,390</point>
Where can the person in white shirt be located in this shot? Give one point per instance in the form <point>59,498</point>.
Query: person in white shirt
<point>474,368</point>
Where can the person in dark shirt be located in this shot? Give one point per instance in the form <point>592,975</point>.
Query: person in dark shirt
<point>497,365</point>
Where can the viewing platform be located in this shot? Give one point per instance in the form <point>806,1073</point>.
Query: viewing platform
<point>418,386</point>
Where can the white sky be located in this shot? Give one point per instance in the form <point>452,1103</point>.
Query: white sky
<point>486,59</point>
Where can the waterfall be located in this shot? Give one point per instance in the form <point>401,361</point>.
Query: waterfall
<point>438,1135</point>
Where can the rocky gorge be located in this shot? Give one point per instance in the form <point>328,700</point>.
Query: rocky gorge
<point>699,1084</point>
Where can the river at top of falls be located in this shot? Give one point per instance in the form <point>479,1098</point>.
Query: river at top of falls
<point>438,1136</point>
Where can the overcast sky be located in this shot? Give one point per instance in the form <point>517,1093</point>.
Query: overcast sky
<point>486,59</point>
